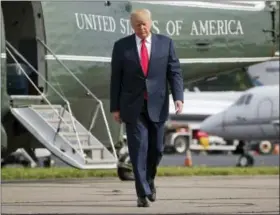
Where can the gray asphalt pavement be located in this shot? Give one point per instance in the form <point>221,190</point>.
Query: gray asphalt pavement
<point>218,160</point>
<point>176,195</point>
<point>210,160</point>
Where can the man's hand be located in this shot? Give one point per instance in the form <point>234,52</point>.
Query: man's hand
<point>178,106</point>
<point>117,117</point>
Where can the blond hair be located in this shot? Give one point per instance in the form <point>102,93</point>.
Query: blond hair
<point>141,12</point>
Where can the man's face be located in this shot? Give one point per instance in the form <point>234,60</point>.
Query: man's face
<point>141,25</point>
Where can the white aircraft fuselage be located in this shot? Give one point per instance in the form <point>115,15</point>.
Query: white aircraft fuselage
<point>254,116</point>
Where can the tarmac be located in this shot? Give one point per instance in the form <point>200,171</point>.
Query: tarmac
<point>175,195</point>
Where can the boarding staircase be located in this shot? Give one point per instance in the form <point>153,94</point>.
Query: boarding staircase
<point>58,130</point>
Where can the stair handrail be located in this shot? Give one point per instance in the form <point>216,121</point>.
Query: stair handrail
<point>44,97</point>
<point>88,91</point>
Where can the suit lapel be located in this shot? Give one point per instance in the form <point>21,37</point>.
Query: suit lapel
<point>153,51</point>
<point>135,53</point>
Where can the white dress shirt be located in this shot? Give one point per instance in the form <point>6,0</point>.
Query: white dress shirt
<point>148,44</point>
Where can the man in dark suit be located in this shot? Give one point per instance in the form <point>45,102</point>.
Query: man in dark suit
<point>142,65</point>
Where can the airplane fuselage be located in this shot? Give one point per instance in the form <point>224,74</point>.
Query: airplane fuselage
<point>209,37</point>
<point>254,116</point>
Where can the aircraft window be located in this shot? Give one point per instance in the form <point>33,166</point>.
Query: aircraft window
<point>272,69</point>
<point>241,100</point>
<point>248,99</point>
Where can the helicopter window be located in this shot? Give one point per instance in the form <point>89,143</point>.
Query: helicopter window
<point>248,99</point>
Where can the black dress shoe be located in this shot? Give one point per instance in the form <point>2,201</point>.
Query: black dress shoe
<point>142,202</point>
<point>152,197</point>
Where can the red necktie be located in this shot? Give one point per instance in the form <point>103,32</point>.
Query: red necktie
<point>144,61</point>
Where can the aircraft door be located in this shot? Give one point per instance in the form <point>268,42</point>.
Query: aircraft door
<point>264,116</point>
<point>276,127</point>
<point>5,102</point>
<point>275,115</point>
<point>233,123</point>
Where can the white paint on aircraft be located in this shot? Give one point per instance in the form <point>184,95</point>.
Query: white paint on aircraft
<point>251,117</point>
<point>182,60</point>
<point>223,5</point>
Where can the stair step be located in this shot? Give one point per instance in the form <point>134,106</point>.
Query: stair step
<point>72,135</point>
<point>45,107</point>
<point>72,138</point>
<point>92,152</point>
<point>49,114</point>
<point>65,126</point>
<point>92,147</point>
<point>92,161</point>
<point>65,119</point>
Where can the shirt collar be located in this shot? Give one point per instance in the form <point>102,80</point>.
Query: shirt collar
<point>148,39</point>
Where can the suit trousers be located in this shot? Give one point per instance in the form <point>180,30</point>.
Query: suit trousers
<point>145,140</point>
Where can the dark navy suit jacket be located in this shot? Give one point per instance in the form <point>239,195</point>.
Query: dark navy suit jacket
<point>128,82</point>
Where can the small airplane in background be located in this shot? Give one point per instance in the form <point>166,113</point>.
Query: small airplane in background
<point>254,116</point>
<point>206,103</point>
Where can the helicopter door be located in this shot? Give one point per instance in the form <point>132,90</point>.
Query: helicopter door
<point>20,27</point>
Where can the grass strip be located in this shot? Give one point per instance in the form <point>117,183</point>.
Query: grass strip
<point>67,173</point>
